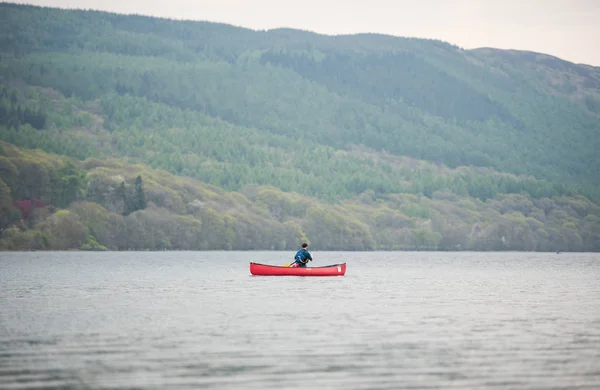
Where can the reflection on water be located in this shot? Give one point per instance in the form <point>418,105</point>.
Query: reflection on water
<point>396,320</point>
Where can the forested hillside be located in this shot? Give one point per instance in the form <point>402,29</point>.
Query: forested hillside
<point>345,120</point>
<point>113,205</point>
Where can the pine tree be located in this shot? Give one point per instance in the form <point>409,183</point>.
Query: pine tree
<point>139,200</point>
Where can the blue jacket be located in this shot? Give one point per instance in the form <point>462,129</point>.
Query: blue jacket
<point>302,256</point>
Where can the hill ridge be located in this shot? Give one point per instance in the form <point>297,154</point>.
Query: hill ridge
<point>321,116</point>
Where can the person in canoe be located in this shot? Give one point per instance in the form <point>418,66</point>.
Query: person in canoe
<point>302,257</point>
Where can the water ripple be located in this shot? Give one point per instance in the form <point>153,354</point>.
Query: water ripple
<point>195,320</point>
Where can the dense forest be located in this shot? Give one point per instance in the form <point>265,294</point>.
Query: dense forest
<point>119,206</point>
<point>354,142</point>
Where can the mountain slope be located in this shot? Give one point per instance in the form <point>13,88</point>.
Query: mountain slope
<point>192,144</point>
<point>183,213</point>
<point>418,98</point>
<point>358,142</point>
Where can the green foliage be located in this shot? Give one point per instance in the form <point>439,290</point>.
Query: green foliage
<point>92,245</point>
<point>139,197</point>
<point>13,114</point>
<point>133,199</point>
<point>63,230</point>
<point>73,181</point>
<point>354,142</point>
<point>160,87</point>
<point>8,214</point>
<point>56,182</point>
<point>182,213</point>
<point>17,240</point>
<point>8,171</point>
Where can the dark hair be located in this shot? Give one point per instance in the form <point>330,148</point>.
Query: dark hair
<point>304,245</point>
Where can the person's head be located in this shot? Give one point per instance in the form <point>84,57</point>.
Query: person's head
<point>305,245</point>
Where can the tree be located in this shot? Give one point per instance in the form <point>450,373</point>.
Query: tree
<point>8,172</point>
<point>138,200</point>
<point>72,182</point>
<point>7,212</point>
<point>140,196</point>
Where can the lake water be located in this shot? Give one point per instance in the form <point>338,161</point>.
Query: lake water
<point>397,320</point>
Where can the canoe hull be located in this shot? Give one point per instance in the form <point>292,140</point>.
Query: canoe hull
<point>274,270</point>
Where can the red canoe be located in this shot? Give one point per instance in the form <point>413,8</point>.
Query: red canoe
<point>275,270</point>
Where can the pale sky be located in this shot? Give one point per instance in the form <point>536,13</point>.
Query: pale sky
<point>568,29</point>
